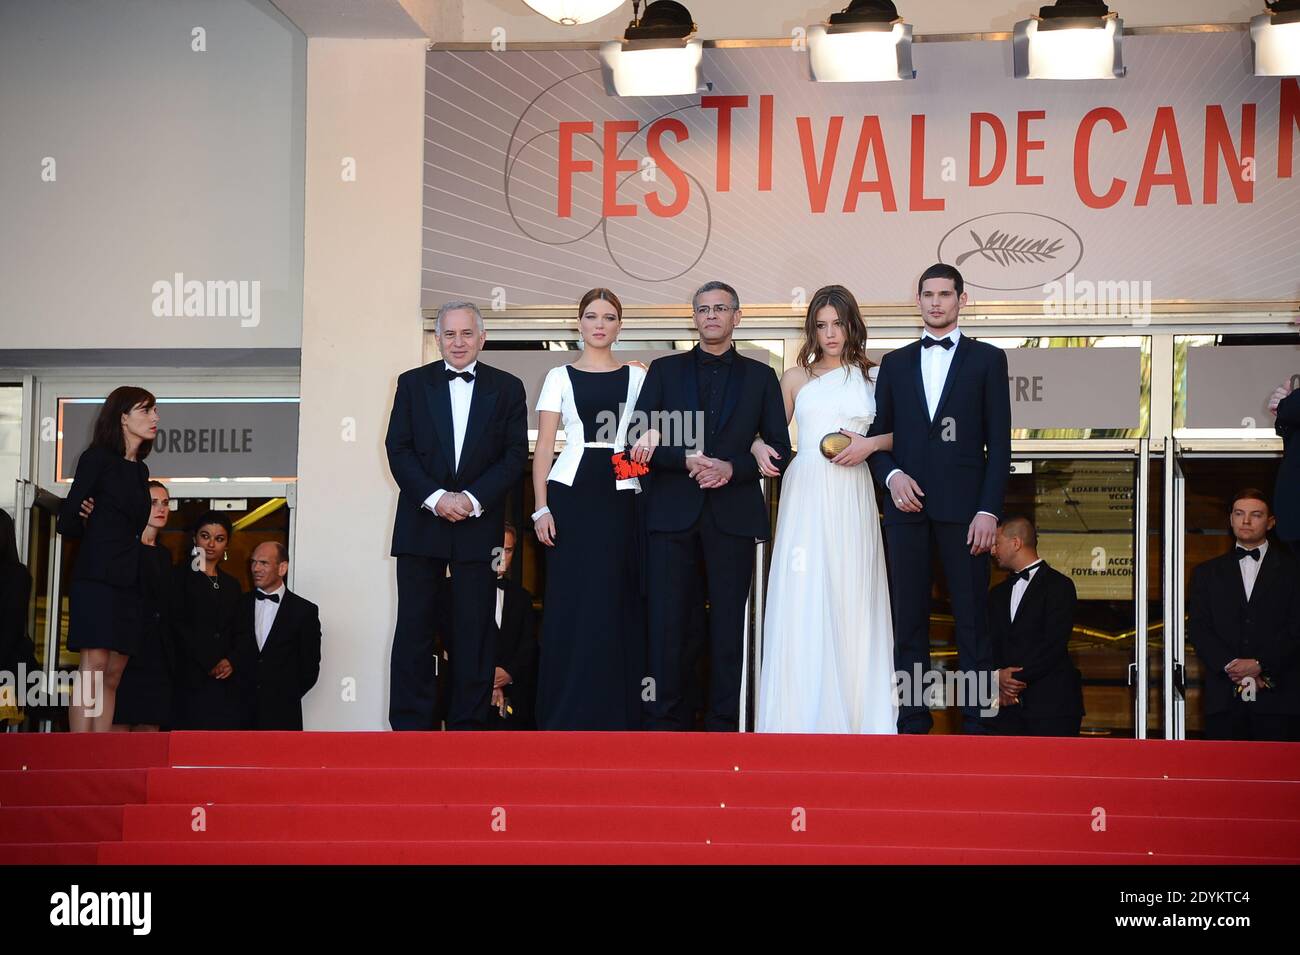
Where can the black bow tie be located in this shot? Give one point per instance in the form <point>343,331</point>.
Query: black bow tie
<point>1026,573</point>
<point>274,598</point>
<point>1253,553</point>
<point>462,375</point>
<point>928,342</point>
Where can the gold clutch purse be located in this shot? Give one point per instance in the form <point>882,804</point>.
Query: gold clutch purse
<point>833,443</point>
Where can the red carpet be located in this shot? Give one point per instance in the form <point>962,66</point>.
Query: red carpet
<point>487,798</point>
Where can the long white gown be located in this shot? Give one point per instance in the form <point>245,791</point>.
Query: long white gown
<point>828,638</point>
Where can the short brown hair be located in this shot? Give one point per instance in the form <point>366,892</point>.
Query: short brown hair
<point>1251,494</point>
<point>1021,528</point>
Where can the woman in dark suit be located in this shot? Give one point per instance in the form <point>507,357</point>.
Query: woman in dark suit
<point>144,697</point>
<point>108,507</point>
<point>15,589</point>
<point>208,628</point>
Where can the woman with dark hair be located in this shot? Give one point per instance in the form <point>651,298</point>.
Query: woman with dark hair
<point>593,648</point>
<point>144,697</point>
<point>207,627</point>
<point>828,637</point>
<point>15,590</point>
<point>104,600</point>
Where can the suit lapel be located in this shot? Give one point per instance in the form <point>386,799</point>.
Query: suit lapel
<point>481,403</point>
<point>914,362</point>
<point>438,394</point>
<point>1232,570</point>
<point>735,383</point>
<point>281,612</point>
<point>1267,570</point>
<point>692,381</point>
<point>963,348</point>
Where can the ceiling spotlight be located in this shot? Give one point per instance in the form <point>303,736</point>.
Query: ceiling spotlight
<point>1275,38</point>
<point>572,12</point>
<point>866,42</point>
<point>656,56</point>
<point>1071,40</point>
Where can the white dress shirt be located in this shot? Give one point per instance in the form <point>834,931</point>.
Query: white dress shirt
<point>1020,586</point>
<point>501,603</point>
<point>264,612</point>
<point>935,363</point>
<point>462,394</point>
<point>1250,567</point>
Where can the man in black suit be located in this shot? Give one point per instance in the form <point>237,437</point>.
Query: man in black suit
<point>457,444</point>
<point>514,681</point>
<point>702,409</point>
<point>1244,620</point>
<point>1031,618</point>
<point>946,400</point>
<point>1285,404</point>
<point>281,651</point>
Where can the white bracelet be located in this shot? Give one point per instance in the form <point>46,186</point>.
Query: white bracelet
<point>539,513</point>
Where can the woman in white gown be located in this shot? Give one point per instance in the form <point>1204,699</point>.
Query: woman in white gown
<point>828,639</point>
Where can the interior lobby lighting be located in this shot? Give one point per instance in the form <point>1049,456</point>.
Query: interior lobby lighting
<point>571,13</point>
<point>1070,40</point>
<point>866,42</point>
<point>1275,39</point>
<point>656,56</point>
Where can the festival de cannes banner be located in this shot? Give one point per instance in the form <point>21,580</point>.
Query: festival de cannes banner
<point>1177,182</point>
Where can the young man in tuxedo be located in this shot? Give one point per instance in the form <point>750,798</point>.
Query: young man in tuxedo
<point>457,444</point>
<point>706,499</point>
<point>946,400</point>
<point>514,679</point>
<point>281,652</point>
<point>1244,620</point>
<point>1285,405</point>
<point>1031,618</point>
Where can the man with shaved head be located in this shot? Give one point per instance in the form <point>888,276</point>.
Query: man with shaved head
<point>281,656</point>
<point>1031,617</point>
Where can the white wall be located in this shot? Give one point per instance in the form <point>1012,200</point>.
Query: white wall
<point>361,328</point>
<point>167,160</point>
<point>737,19</point>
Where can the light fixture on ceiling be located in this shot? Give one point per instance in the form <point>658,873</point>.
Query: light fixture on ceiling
<point>1070,40</point>
<point>1275,39</point>
<point>656,56</point>
<point>573,12</point>
<point>865,42</point>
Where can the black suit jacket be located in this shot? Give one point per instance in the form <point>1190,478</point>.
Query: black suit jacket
<point>1038,640</point>
<point>15,592</point>
<point>1223,626</point>
<point>110,545</point>
<point>516,651</point>
<point>422,455</point>
<point>751,405</point>
<point>962,465</point>
<point>276,678</point>
<point>1286,496</point>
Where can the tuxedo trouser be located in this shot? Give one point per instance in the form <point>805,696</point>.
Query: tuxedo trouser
<point>1240,722</point>
<point>1010,722</point>
<point>413,694</point>
<point>673,562</point>
<point>909,548</point>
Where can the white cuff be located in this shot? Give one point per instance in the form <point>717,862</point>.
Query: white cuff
<point>978,513</point>
<point>890,475</point>
<point>478,510</point>
<point>431,502</point>
<point>540,511</point>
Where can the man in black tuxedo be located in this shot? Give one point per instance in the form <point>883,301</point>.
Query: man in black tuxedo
<point>946,400</point>
<point>1285,404</point>
<point>704,498</point>
<point>280,653</point>
<point>514,681</point>
<point>1031,618</point>
<point>1244,620</point>
<point>457,444</point>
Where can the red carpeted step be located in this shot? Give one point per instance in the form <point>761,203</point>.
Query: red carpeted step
<point>83,750</point>
<point>46,853</point>
<point>951,754</point>
<point>562,853</point>
<point>1153,797</point>
<point>1275,839</point>
<point>20,824</point>
<point>73,787</point>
